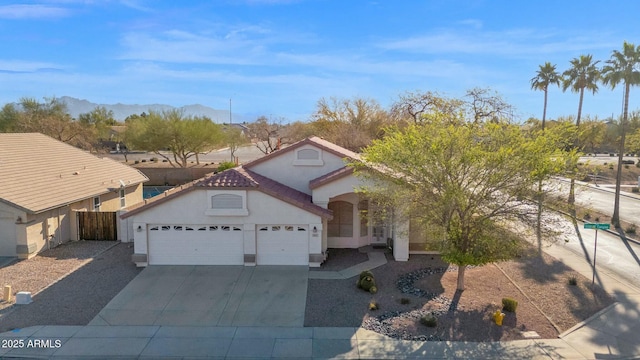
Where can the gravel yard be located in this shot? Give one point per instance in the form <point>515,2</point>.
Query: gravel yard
<point>93,277</point>
<point>462,316</point>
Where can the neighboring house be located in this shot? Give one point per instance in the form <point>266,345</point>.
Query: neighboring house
<point>44,182</point>
<point>286,208</point>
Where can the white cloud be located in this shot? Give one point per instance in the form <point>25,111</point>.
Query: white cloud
<point>36,11</point>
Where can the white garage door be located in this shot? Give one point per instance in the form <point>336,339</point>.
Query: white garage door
<point>282,245</point>
<point>196,245</point>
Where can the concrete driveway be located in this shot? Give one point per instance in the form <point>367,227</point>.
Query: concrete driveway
<point>211,296</point>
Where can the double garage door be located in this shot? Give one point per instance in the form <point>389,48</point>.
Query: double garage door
<point>224,245</point>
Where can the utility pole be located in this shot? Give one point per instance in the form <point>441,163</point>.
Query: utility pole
<point>230,129</point>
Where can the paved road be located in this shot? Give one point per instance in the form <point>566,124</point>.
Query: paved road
<point>613,253</point>
<point>244,155</point>
<point>602,200</point>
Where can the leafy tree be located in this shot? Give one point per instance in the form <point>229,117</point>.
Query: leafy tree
<point>100,119</point>
<point>468,179</point>
<point>350,123</point>
<point>583,74</point>
<point>545,76</point>
<point>183,137</point>
<point>591,134</point>
<point>622,67</point>
<point>234,138</point>
<point>9,118</point>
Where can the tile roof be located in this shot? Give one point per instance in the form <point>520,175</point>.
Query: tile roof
<point>240,178</point>
<point>314,140</point>
<point>38,173</point>
<point>329,177</point>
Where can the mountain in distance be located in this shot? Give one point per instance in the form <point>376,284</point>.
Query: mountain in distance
<point>121,111</point>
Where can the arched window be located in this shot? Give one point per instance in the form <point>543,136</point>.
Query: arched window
<point>342,223</point>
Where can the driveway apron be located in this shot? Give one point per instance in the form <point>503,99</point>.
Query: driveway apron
<point>211,296</point>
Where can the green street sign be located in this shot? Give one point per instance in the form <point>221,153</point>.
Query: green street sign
<point>597,226</point>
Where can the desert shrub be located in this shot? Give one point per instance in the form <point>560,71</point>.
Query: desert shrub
<point>597,219</point>
<point>638,164</point>
<point>509,304</point>
<point>631,229</point>
<point>373,305</point>
<point>429,321</point>
<point>605,163</point>
<point>573,280</point>
<point>586,216</point>
<point>626,166</point>
<point>165,160</point>
<point>405,301</point>
<point>143,160</point>
<point>610,166</point>
<point>137,162</point>
<point>226,165</point>
<point>154,159</point>
<point>610,154</point>
<point>635,189</point>
<point>580,163</point>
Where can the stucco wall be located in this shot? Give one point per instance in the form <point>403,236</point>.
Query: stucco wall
<point>281,168</point>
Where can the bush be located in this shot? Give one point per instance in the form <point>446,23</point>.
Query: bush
<point>631,229</point>
<point>405,301</point>
<point>573,280</point>
<point>373,305</point>
<point>144,160</point>
<point>429,321</point>
<point>638,164</point>
<point>626,166</point>
<point>610,154</point>
<point>165,160</point>
<point>597,219</point>
<point>509,304</point>
<point>635,189</point>
<point>154,159</point>
<point>610,166</point>
<point>586,216</point>
<point>605,163</point>
<point>226,165</point>
<point>137,162</point>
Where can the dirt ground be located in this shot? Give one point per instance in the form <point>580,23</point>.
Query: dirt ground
<point>542,289</point>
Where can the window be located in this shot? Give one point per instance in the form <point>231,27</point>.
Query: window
<point>227,203</point>
<point>123,201</point>
<point>96,203</point>
<point>342,223</point>
<point>308,157</point>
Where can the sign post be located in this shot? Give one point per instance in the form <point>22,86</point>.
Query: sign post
<point>595,245</point>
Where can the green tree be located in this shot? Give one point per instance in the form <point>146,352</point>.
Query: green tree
<point>622,67</point>
<point>583,74</point>
<point>100,119</point>
<point>173,136</point>
<point>545,76</point>
<point>468,179</point>
<point>591,134</point>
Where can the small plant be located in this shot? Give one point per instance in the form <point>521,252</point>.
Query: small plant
<point>226,165</point>
<point>573,281</point>
<point>405,301</point>
<point>635,189</point>
<point>429,321</point>
<point>509,304</point>
<point>367,282</point>
<point>631,229</point>
<point>373,305</point>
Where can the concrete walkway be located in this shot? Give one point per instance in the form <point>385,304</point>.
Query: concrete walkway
<point>610,334</point>
<point>376,258</point>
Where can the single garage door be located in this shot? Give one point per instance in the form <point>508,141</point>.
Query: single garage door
<point>282,245</point>
<point>196,245</point>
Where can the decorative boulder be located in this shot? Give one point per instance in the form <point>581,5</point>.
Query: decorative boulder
<point>367,282</point>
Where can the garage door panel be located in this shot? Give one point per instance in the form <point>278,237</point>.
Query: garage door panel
<point>282,245</point>
<point>196,245</point>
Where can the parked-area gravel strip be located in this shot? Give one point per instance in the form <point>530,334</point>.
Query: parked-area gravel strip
<point>93,277</point>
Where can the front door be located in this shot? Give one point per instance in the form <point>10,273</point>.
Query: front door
<point>379,235</point>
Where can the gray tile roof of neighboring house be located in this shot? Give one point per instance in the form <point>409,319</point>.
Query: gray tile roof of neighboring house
<point>38,173</point>
<point>314,140</point>
<point>239,178</point>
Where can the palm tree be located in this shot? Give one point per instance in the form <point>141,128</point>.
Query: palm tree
<point>583,74</point>
<point>622,67</point>
<point>545,76</point>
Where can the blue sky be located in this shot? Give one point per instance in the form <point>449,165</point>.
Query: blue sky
<point>279,57</point>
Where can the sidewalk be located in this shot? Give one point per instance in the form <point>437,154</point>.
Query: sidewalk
<point>610,334</point>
